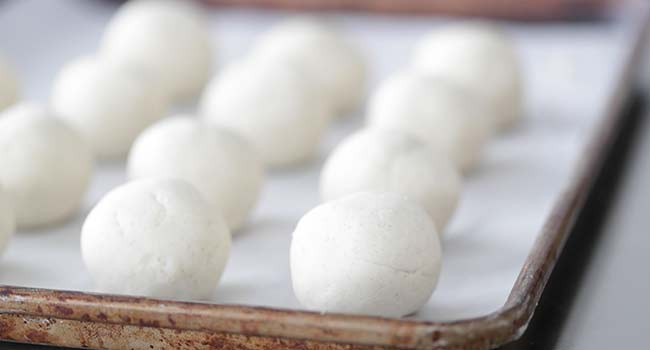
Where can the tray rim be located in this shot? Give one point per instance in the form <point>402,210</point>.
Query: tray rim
<point>329,331</point>
<point>508,9</point>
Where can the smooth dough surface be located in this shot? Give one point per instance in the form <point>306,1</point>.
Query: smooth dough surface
<point>170,37</point>
<point>219,163</point>
<point>479,57</point>
<point>108,104</point>
<point>323,54</point>
<point>387,160</point>
<point>272,106</point>
<point>155,237</point>
<point>8,85</point>
<point>367,253</point>
<point>438,113</point>
<point>7,220</point>
<point>45,165</point>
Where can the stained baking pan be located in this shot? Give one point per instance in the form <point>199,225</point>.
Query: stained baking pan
<point>83,319</point>
<point>531,10</point>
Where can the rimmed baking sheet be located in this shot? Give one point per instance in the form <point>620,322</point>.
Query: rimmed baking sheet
<point>570,71</point>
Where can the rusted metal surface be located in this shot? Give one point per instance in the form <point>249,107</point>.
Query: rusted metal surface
<point>75,334</point>
<point>109,322</point>
<point>514,9</point>
<point>75,319</point>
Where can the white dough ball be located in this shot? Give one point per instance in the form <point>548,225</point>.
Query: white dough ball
<point>271,106</point>
<point>380,160</point>
<point>171,37</point>
<point>155,237</point>
<point>45,166</point>
<point>434,111</point>
<point>108,104</point>
<point>367,253</point>
<point>480,58</point>
<point>8,85</point>
<point>219,163</point>
<point>7,220</point>
<point>323,54</point>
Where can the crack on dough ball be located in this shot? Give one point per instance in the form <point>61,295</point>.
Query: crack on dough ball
<point>108,104</point>
<point>435,111</point>
<point>272,106</point>
<point>45,166</point>
<point>388,160</point>
<point>169,37</point>
<point>481,58</point>
<point>324,54</point>
<point>368,253</point>
<point>155,237</point>
<point>219,163</point>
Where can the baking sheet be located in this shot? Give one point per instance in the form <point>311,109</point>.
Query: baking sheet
<point>569,71</point>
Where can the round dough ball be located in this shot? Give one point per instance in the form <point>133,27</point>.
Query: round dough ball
<point>8,85</point>
<point>270,105</point>
<point>45,166</point>
<point>155,237</point>
<point>220,164</point>
<point>479,58</point>
<point>170,37</point>
<point>380,160</point>
<point>434,111</point>
<point>323,54</point>
<point>7,220</point>
<point>108,104</point>
<point>367,253</point>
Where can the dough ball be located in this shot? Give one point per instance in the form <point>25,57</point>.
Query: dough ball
<point>436,112</point>
<point>272,106</point>
<point>8,85</point>
<point>367,253</point>
<point>169,36</point>
<point>479,58</point>
<point>219,163</point>
<point>323,54</point>
<point>108,104</point>
<point>155,237</point>
<point>380,160</point>
<point>45,166</point>
<point>7,220</point>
